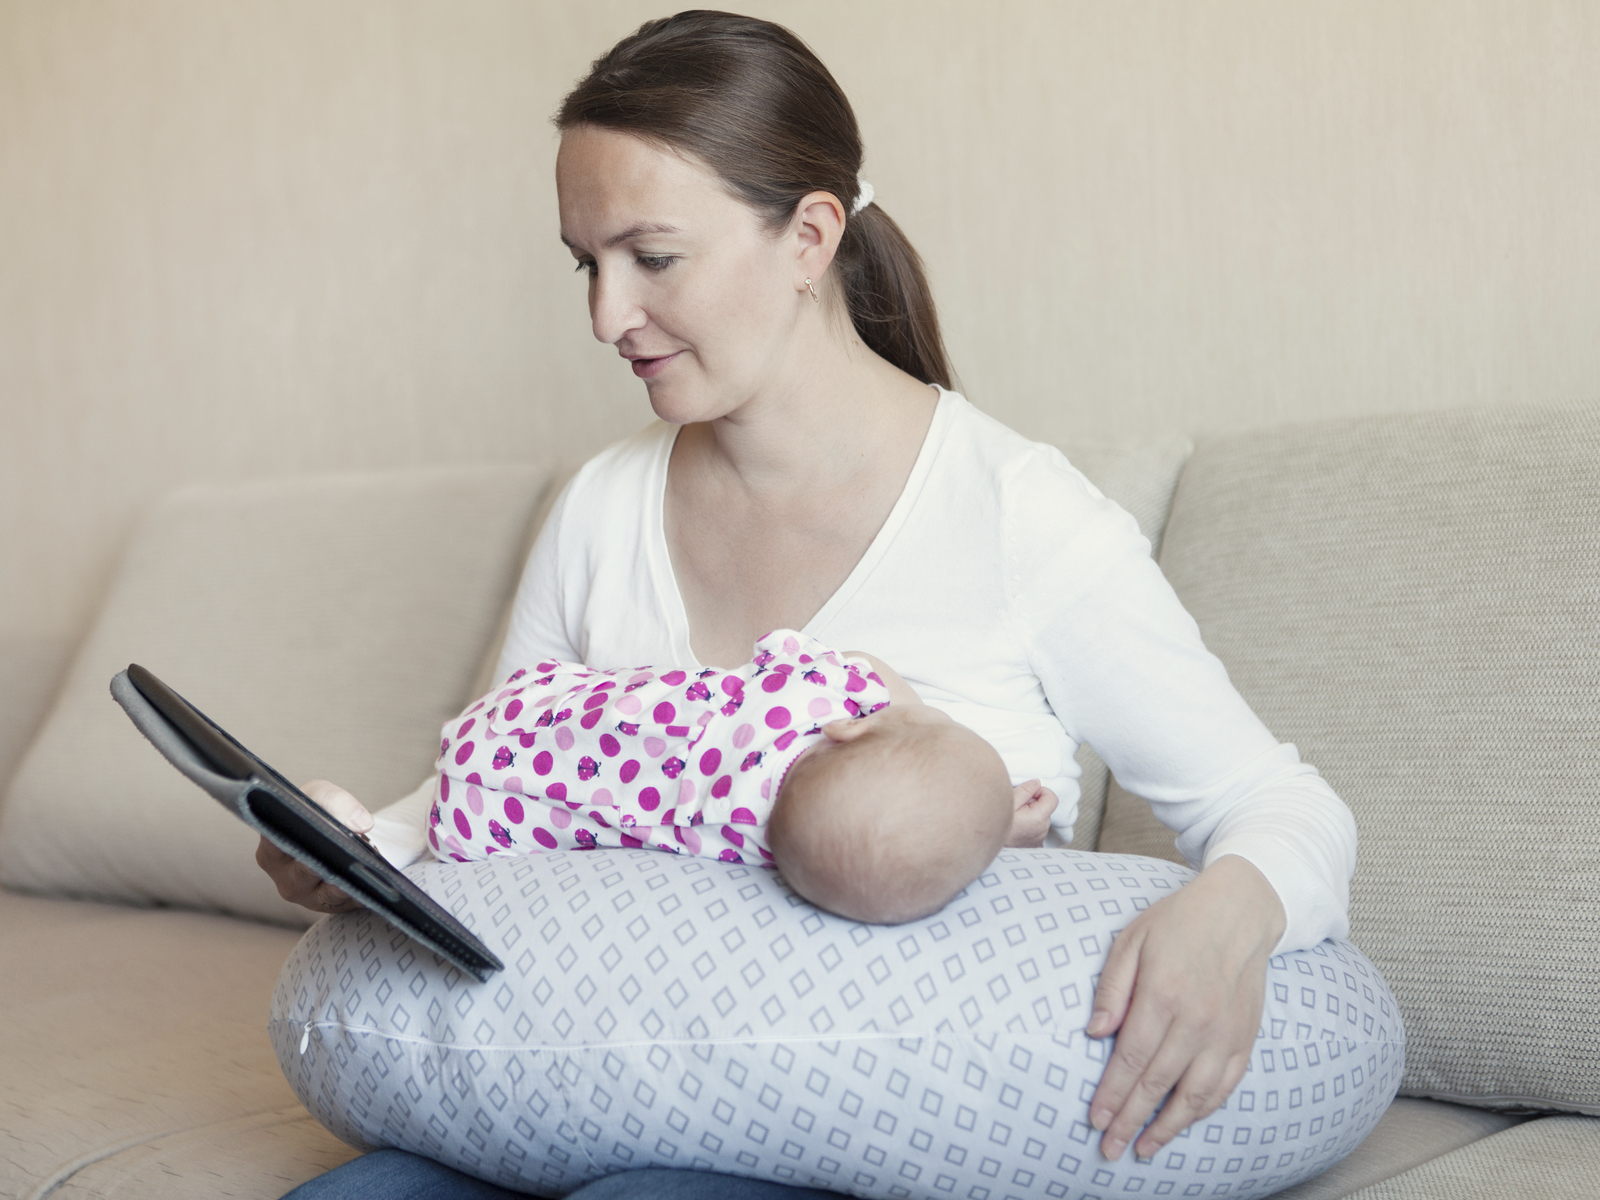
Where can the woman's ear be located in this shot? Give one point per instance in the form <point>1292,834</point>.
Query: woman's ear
<point>818,226</point>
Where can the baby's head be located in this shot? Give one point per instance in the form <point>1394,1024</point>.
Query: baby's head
<point>889,816</point>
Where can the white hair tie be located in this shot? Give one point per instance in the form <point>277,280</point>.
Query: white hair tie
<point>865,197</point>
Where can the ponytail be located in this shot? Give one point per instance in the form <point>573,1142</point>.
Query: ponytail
<point>887,292</point>
<point>752,101</point>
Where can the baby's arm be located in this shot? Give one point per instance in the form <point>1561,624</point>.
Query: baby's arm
<point>899,690</point>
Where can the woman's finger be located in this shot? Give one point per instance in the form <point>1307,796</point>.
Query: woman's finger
<point>298,883</point>
<point>1115,990</point>
<point>1146,1060</point>
<point>1207,1083</point>
<point>333,900</point>
<point>1188,1014</point>
<point>339,804</point>
<point>1158,1073</point>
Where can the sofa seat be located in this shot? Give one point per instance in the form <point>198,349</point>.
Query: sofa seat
<point>134,1058</point>
<point>1548,1159</point>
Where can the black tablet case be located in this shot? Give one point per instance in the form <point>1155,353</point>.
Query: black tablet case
<point>291,820</point>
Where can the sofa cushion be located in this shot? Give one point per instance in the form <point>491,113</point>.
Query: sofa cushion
<point>136,1060</point>
<point>331,624</point>
<point>1414,601</point>
<point>1552,1159</point>
<point>1410,1133</point>
<point>33,669</point>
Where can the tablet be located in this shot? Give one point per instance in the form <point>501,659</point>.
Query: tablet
<point>292,821</point>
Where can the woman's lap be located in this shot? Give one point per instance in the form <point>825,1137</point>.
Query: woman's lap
<point>397,1175</point>
<point>657,1012</point>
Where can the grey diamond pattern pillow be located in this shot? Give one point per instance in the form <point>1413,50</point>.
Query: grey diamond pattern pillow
<point>659,1010</point>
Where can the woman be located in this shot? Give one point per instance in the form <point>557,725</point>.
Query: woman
<point>816,473</point>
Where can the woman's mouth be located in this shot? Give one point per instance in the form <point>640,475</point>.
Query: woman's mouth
<point>649,368</point>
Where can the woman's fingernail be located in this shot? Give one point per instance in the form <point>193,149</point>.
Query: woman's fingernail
<point>1111,1149</point>
<point>1097,1024</point>
<point>1100,1118</point>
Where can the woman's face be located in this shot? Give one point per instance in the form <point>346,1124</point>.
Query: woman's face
<point>683,279</point>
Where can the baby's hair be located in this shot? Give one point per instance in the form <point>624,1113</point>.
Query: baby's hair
<point>887,830</point>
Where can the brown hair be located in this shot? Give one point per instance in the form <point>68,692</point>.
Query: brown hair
<point>752,101</point>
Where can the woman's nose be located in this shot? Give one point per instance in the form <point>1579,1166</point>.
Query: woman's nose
<point>613,310</point>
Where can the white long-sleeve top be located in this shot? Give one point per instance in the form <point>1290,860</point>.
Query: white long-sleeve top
<point>1009,592</point>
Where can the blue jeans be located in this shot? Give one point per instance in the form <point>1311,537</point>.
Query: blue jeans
<point>396,1175</point>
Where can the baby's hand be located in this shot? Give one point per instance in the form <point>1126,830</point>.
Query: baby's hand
<point>1031,822</point>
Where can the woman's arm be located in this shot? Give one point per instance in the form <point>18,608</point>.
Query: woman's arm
<point>539,628</point>
<point>399,831</point>
<point>1125,670</point>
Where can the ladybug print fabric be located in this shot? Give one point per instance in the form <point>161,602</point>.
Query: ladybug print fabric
<point>561,757</point>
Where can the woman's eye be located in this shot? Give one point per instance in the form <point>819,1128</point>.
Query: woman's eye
<point>655,262</point>
<point>588,265</point>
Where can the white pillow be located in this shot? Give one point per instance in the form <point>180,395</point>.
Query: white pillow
<point>659,1010</point>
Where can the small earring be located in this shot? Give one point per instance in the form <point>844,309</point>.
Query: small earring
<point>813,292</point>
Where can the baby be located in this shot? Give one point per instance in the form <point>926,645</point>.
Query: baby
<point>879,812</point>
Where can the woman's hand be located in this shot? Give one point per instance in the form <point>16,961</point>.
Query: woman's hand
<point>297,883</point>
<point>1184,985</point>
<point>1031,821</point>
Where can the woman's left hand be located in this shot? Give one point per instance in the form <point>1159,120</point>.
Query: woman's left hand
<point>1183,990</point>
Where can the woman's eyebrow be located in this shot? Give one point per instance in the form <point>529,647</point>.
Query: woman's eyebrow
<point>632,231</point>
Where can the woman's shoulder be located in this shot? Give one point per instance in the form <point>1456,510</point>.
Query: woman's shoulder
<point>979,447</point>
<point>1057,530</point>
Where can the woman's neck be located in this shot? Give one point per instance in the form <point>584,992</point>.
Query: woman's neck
<point>769,508</point>
<point>836,410</point>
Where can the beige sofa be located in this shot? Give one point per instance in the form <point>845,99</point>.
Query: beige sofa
<point>1413,600</point>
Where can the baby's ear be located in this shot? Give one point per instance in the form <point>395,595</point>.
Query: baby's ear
<point>844,730</point>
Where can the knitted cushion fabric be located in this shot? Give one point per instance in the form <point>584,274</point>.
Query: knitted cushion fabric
<point>330,624</point>
<point>1414,601</point>
<point>1552,1159</point>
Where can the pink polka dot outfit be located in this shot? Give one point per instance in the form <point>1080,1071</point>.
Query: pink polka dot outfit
<point>565,758</point>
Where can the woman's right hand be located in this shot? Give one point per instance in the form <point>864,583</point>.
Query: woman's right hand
<point>297,883</point>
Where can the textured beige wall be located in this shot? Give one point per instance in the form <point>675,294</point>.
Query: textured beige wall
<point>276,236</point>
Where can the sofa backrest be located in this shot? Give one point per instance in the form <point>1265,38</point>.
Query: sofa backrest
<point>332,624</point>
<point>1415,602</point>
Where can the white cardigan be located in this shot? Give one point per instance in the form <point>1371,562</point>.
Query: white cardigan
<point>1009,592</point>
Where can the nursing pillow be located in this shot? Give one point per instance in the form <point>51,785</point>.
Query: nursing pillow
<point>659,1010</point>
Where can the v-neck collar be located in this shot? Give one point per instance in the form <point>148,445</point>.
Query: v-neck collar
<point>669,596</point>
